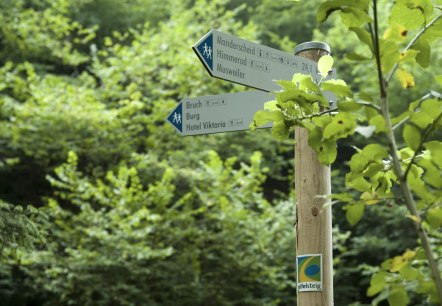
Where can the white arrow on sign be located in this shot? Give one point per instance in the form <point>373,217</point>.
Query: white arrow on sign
<point>218,113</point>
<point>237,60</point>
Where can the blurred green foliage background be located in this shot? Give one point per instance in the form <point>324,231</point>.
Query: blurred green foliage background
<point>103,203</point>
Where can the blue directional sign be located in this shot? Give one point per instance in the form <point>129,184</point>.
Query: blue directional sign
<point>237,60</point>
<point>217,113</point>
<point>176,118</point>
<point>205,48</point>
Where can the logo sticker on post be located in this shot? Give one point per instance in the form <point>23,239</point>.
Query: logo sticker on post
<point>309,269</point>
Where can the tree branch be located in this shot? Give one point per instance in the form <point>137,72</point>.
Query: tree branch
<point>402,180</point>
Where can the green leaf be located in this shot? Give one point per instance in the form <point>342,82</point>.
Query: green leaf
<point>358,183</point>
<point>354,213</point>
<point>338,87</point>
<point>412,136</point>
<point>328,7</point>
<point>287,85</point>
<point>280,130</point>
<point>364,36</point>
<point>369,198</point>
<point>378,121</point>
<point>398,296</point>
<point>408,56</point>
<point>406,79</point>
<point>432,108</point>
<point>354,17</point>
<point>435,148</point>
<point>358,163</point>
<point>424,53</point>
<point>396,32</point>
<point>433,175</point>
<point>421,119</point>
<point>434,217</point>
<point>429,288</point>
<point>425,6</point>
<point>420,188</point>
<point>325,64</point>
<point>263,117</point>
<point>408,17</point>
<point>292,94</point>
<point>349,106</point>
<point>373,169</point>
<point>377,283</point>
<point>374,152</point>
<point>434,32</point>
<point>305,82</point>
<point>408,273</point>
<point>364,96</point>
<point>342,125</point>
<point>327,152</point>
<point>390,54</point>
<point>353,56</point>
<point>271,106</point>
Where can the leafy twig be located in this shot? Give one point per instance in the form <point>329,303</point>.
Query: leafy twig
<point>412,42</point>
<point>427,133</point>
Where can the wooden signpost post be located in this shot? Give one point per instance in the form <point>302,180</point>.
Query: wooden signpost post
<point>314,219</point>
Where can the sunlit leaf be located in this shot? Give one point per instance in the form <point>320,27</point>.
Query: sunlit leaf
<point>263,117</point>
<point>325,64</point>
<point>396,32</point>
<point>434,32</point>
<point>406,79</point>
<point>398,296</point>
<point>327,8</point>
<point>374,152</point>
<point>357,57</point>
<point>364,36</point>
<point>369,198</point>
<point>378,122</point>
<point>401,261</point>
<point>280,130</point>
<point>424,56</point>
<point>422,119</point>
<point>305,82</point>
<point>358,183</point>
<point>342,125</point>
<point>338,87</point>
<point>435,148</point>
<point>412,136</point>
<point>433,175</point>
<point>327,152</point>
<point>434,217</point>
<point>354,213</point>
<point>408,17</point>
<point>349,106</point>
<point>377,283</point>
<point>354,17</point>
<point>390,54</point>
<point>271,106</point>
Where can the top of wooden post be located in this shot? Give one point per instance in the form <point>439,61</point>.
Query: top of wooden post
<point>312,50</point>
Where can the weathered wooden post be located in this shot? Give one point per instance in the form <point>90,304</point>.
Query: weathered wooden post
<point>314,219</point>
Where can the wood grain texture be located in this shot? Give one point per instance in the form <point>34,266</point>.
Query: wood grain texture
<point>314,218</point>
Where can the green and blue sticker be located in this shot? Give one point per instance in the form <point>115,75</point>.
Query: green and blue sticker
<point>309,272</point>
